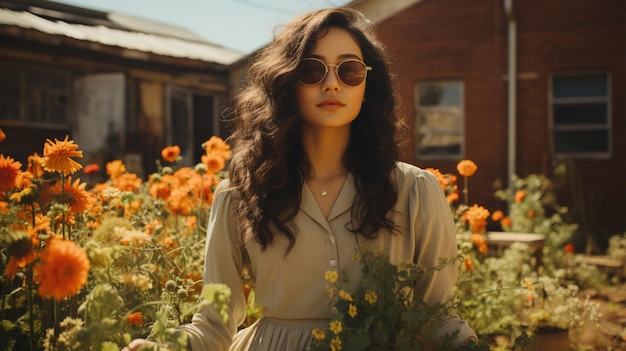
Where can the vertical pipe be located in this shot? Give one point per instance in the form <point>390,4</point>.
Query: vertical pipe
<point>512,91</point>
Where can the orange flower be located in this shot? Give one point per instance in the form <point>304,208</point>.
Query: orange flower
<point>480,242</point>
<point>127,182</point>
<point>466,168</point>
<point>170,153</point>
<point>217,146</point>
<point>497,215</point>
<point>477,218</point>
<point>115,169</point>
<point>9,170</point>
<point>519,196</point>
<point>56,156</point>
<point>63,269</point>
<point>506,222</point>
<point>468,265</point>
<point>2,135</point>
<point>79,199</point>
<point>452,197</point>
<point>135,319</point>
<point>531,213</point>
<point>20,249</point>
<point>569,248</point>
<point>91,168</point>
<point>34,165</point>
<point>213,162</point>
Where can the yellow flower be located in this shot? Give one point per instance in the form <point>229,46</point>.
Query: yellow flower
<point>345,295</point>
<point>331,276</point>
<point>528,284</point>
<point>371,297</point>
<point>466,168</point>
<point>57,156</point>
<point>336,327</point>
<point>63,270</point>
<point>335,344</point>
<point>318,334</point>
<point>352,311</point>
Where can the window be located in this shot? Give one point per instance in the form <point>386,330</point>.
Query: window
<point>581,114</point>
<point>439,119</point>
<point>190,121</point>
<point>34,97</point>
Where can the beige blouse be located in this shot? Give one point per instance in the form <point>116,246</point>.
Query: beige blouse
<point>292,289</point>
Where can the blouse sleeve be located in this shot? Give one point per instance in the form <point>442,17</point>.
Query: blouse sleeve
<point>435,235</point>
<point>223,264</point>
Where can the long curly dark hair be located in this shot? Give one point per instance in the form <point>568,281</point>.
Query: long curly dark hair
<point>266,171</point>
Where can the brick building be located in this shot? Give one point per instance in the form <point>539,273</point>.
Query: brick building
<point>566,105</point>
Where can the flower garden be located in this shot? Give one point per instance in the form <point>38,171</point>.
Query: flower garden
<point>90,265</point>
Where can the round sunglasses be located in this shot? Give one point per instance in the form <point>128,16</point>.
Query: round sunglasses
<point>350,72</point>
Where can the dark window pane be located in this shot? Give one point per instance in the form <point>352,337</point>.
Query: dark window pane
<point>580,86</point>
<point>9,95</point>
<point>573,142</point>
<point>591,113</point>
<point>440,95</point>
<point>180,118</point>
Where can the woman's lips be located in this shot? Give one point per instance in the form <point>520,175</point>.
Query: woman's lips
<point>330,104</point>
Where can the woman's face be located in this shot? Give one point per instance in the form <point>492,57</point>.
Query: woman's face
<point>331,103</point>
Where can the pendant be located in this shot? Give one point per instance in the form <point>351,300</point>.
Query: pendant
<point>324,193</point>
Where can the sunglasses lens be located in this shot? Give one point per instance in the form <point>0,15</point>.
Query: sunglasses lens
<point>311,71</point>
<point>352,72</point>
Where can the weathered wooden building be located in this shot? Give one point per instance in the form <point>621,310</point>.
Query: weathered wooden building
<point>122,87</point>
<point>565,104</point>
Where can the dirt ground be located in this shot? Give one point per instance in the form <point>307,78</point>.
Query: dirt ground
<point>610,335</point>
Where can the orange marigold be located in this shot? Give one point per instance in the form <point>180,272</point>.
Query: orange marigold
<point>2,135</point>
<point>115,169</point>
<point>477,218</point>
<point>213,162</point>
<point>63,269</point>
<point>519,196</point>
<point>91,168</point>
<point>135,319</point>
<point>9,170</point>
<point>440,177</point>
<point>217,146</point>
<point>468,265</point>
<point>480,242</point>
<point>34,165</point>
<point>506,222</point>
<point>466,168</point>
<point>79,199</point>
<point>497,215</point>
<point>170,153</point>
<point>57,156</point>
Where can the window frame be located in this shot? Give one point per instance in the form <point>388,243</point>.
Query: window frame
<point>23,100</point>
<point>554,128</point>
<point>418,131</point>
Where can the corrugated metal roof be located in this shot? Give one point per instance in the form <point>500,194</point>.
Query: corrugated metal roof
<point>146,42</point>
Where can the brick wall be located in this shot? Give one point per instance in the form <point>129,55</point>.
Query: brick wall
<point>467,40</point>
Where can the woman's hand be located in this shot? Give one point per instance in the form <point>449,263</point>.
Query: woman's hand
<point>137,344</point>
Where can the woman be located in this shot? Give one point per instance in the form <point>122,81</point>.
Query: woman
<point>315,175</point>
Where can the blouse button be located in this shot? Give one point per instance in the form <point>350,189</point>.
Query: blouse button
<point>333,290</point>
<point>333,263</point>
<point>335,310</point>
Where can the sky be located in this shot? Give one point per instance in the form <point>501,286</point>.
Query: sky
<point>240,25</point>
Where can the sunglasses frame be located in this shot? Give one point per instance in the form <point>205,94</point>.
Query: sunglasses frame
<point>326,69</point>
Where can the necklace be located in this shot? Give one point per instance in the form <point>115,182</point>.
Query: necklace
<point>327,185</point>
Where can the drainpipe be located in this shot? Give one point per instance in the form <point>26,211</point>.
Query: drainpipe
<point>512,80</point>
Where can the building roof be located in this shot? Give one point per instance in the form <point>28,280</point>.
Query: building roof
<point>112,29</point>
